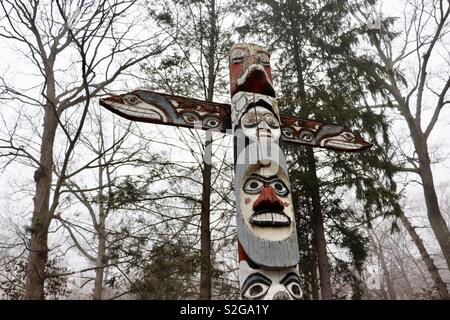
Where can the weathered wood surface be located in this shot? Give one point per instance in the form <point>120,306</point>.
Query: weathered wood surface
<point>267,236</point>
<point>159,108</point>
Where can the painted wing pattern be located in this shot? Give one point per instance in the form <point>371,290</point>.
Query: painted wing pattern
<point>317,134</point>
<point>153,107</point>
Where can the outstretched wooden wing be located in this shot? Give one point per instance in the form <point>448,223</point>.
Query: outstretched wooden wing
<point>152,107</point>
<point>159,108</point>
<point>317,134</point>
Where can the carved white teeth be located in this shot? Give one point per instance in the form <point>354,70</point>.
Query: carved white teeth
<point>270,219</point>
<point>278,218</point>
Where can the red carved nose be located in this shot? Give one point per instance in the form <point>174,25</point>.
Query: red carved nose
<point>268,200</point>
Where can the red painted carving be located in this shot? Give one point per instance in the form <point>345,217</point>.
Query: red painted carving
<point>250,70</point>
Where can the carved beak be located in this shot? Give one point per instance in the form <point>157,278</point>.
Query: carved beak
<point>110,100</point>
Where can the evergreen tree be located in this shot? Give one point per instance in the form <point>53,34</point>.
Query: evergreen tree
<point>314,42</point>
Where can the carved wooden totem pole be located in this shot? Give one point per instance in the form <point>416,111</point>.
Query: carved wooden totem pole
<point>267,239</point>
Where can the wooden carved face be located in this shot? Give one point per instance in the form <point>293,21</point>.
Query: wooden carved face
<point>259,122</point>
<point>260,284</point>
<point>266,202</point>
<point>250,70</point>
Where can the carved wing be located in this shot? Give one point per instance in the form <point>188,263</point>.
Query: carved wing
<point>317,134</point>
<point>152,107</point>
<point>159,108</point>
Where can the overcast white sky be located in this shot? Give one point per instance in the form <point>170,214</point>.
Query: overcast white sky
<point>18,71</point>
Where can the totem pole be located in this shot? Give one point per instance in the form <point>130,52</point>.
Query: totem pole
<point>267,239</point>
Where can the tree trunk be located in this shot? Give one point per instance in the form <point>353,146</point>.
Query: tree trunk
<point>386,273</point>
<point>101,223</point>
<point>383,292</point>
<point>438,282</point>
<point>101,233</point>
<point>387,276</point>
<point>37,257</point>
<point>318,228</point>
<point>401,264</point>
<point>205,233</point>
<point>100,262</point>
<point>437,221</point>
<point>313,184</point>
<point>314,286</point>
<point>205,236</point>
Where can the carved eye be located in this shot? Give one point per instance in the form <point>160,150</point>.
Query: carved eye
<point>271,120</point>
<point>307,137</point>
<point>253,186</point>
<point>238,55</point>
<point>292,284</point>
<point>190,118</point>
<point>250,119</point>
<point>131,100</point>
<point>294,290</point>
<point>280,188</point>
<point>348,135</point>
<point>264,59</point>
<point>256,291</point>
<point>211,123</point>
<point>288,133</point>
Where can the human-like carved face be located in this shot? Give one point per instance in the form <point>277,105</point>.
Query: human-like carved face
<point>260,284</point>
<point>260,122</point>
<point>250,69</point>
<point>266,202</point>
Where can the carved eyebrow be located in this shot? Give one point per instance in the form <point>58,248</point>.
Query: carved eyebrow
<point>241,48</point>
<point>291,276</point>
<point>258,103</point>
<point>255,278</point>
<point>265,179</point>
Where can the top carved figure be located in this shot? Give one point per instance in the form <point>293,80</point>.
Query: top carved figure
<point>250,70</point>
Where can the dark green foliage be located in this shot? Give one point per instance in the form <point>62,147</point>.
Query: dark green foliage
<point>169,273</point>
<point>128,191</point>
<point>13,287</point>
<point>346,237</point>
<point>307,264</point>
<point>320,76</point>
<point>345,279</point>
<point>197,66</point>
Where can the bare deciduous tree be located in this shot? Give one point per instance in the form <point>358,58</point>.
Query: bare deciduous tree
<point>100,48</point>
<point>425,89</point>
<point>202,46</point>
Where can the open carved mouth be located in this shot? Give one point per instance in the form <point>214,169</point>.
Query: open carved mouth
<point>264,133</point>
<point>269,218</point>
<point>255,79</point>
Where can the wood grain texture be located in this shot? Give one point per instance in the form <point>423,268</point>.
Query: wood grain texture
<point>268,254</point>
<point>158,108</point>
